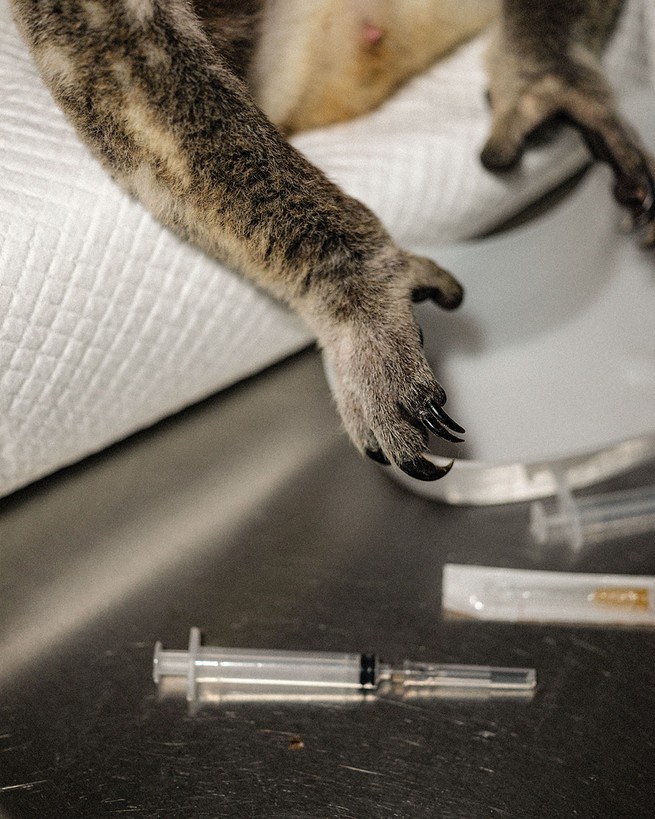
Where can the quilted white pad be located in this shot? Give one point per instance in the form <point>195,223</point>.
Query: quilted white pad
<point>109,323</point>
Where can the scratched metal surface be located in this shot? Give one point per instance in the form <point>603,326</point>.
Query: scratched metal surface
<point>251,517</point>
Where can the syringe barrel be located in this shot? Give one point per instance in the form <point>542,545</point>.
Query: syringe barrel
<point>263,667</point>
<point>237,671</point>
<point>593,518</point>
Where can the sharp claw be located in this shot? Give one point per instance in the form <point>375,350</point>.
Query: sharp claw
<point>638,199</point>
<point>436,419</point>
<point>648,203</point>
<point>443,416</point>
<point>424,470</point>
<point>439,429</point>
<point>444,470</point>
<point>378,456</point>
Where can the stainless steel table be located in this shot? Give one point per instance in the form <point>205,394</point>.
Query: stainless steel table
<point>251,517</point>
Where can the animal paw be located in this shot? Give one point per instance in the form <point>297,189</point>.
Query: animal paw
<point>610,139</point>
<point>634,189</point>
<point>387,395</point>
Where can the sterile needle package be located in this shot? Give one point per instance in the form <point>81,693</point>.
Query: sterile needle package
<point>523,595</point>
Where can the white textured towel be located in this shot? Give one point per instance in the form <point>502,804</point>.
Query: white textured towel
<point>109,323</point>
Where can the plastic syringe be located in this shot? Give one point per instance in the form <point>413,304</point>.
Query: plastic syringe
<point>593,518</point>
<point>244,674</point>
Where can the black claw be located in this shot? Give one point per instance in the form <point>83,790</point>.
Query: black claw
<point>439,429</point>
<point>424,470</point>
<point>436,419</point>
<point>637,197</point>
<point>647,203</point>
<point>378,456</point>
<point>443,416</point>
